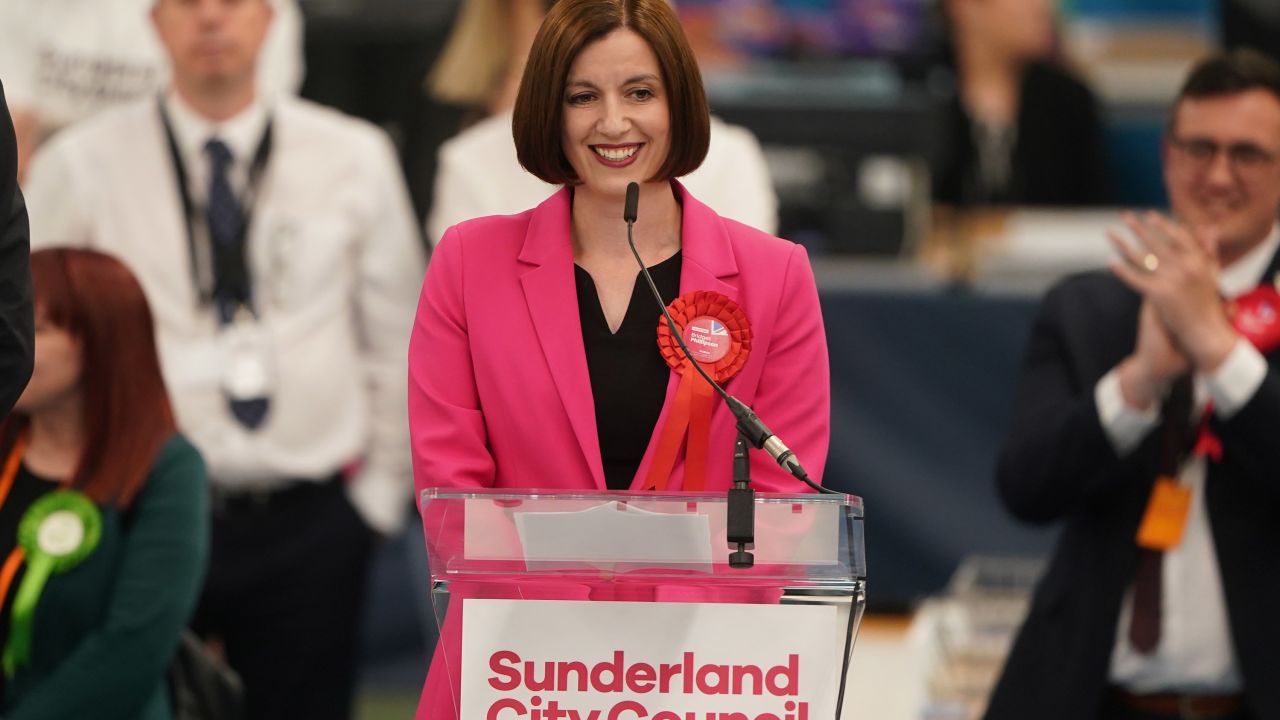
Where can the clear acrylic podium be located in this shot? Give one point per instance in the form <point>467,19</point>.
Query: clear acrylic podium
<point>555,605</point>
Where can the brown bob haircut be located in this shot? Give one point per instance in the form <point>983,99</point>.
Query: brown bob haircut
<point>127,418</point>
<point>570,26</point>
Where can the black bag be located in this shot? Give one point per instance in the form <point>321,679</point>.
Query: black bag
<point>203,687</point>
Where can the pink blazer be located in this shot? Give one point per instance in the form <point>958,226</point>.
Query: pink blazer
<point>499,394</point>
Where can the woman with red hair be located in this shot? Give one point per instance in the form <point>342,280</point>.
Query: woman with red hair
<point>103,507</point>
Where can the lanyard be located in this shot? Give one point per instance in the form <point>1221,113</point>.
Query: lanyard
<point>202,275</point>
<point>11,466</point>
<point>10,470</point>
<point>9,568</point>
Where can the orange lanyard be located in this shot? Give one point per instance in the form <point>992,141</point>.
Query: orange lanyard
<point>11,467</point>
<point>11,563</point>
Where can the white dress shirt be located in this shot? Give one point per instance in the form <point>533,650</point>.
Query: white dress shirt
<point>65,60</point>
<point>1195,653</point>
<point>479,175</point>
<point>336,261</point>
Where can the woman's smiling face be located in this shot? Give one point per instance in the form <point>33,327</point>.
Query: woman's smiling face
<point>616,119</point>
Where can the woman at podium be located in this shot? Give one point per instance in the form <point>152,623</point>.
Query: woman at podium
<point>537,357</point>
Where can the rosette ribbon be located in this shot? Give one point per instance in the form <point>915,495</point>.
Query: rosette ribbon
<point>1256,316</point>
<point>58,532</point>
<point>719,337</point>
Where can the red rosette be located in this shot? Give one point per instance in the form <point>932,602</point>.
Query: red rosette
<point>695,306</point>
<point>1255,315</point>
<point>718,334</point>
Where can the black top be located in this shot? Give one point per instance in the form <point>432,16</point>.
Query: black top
<point>1246,23</point>
<point>1058,154</point>
<point>628,375</point>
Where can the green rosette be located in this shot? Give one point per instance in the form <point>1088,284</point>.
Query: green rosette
<point>58,532</point>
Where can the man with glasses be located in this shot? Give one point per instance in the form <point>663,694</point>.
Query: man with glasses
<point>1146,420</point>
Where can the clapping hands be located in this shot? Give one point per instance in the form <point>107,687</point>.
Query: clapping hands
<point>1182,325</point>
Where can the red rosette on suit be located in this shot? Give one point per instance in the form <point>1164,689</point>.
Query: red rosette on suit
<point>1255,315</point>
<point>719,335</point>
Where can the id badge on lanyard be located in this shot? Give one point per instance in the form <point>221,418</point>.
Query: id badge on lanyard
<point>248,359</point>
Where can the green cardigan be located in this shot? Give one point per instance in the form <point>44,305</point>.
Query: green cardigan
<point>106,630</point>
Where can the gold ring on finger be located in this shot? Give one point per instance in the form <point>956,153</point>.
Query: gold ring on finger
<point>1150,262</point>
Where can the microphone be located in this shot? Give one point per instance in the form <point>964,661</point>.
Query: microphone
<point>629,207</point>
<point>749,424</point>
<point>762,437</point>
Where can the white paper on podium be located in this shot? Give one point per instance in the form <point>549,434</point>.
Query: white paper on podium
<point>619,534</point>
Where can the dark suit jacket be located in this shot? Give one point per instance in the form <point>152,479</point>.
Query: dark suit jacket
<point>1058,465</point>
<point>1059,157</point>
<point>15,272</point>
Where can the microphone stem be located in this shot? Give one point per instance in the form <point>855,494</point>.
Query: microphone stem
<point>740,509</point>
<point>676,332</point>
<point>749,426</point>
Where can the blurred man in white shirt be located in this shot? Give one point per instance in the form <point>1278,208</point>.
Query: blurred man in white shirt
<point>65,60</point>
<point>278,249</point>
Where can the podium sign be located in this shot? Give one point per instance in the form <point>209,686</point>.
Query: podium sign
<point>648,660</point>
<point>622,606</point>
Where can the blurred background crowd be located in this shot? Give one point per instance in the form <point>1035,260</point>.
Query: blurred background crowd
<point>942,160</point>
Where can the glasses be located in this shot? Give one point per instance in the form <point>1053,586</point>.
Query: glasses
<point>1244,157</point>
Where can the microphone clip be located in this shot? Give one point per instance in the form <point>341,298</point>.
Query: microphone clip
<point>740,513</point>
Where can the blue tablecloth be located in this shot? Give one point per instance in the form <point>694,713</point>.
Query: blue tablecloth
<point>922,382</point>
